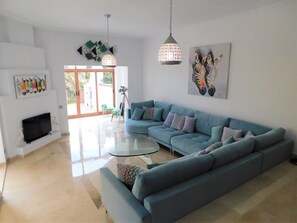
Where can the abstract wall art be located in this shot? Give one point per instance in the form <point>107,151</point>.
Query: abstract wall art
<point>30,85</point>
<point>209,70</point>
<point>94,50</point>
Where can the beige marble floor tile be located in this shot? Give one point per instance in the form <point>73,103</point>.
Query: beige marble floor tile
<point>212,212</point>
<point>2,177</point>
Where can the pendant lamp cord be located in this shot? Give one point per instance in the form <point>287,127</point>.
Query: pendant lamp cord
<point>170,17</point>
<point>107,16</point>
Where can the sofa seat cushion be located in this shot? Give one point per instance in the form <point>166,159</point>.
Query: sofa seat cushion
<point>170,174</point>
<point>190,143</point>
<point>163,133</point>
<point>248,126</point>
<point>140,126</point>
<point>205,122</point>
<point>231,152</point>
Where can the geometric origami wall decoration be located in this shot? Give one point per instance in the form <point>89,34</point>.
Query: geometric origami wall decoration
<point>94,50</point>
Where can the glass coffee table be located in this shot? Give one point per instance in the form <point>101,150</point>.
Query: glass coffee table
<point>135,145</point>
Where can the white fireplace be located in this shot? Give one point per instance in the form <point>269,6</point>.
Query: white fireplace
<point>19,56</point>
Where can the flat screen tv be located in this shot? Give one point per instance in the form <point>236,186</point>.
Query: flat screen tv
<point>36,127</point>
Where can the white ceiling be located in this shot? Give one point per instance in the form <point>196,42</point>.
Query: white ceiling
<point>131,18</point>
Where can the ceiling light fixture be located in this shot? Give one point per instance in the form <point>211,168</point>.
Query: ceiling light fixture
<point>108,59</point>
<point>170,52</point>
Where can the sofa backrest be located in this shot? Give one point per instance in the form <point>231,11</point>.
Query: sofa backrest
<point>166,108</point>
<point>183,110</point>
<point>206,121</point>
<point>269,138</point>
<point>248,126</point>
<point>231,152</point>
<point>141,104</point>
<point>170,174</point>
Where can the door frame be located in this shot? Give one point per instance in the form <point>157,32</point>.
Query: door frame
<point>76,71</point>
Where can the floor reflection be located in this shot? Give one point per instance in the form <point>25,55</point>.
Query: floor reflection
<point>91,139</point>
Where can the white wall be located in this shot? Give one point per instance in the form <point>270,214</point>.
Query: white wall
<point>2,154</point>
<point>15,56</point>
<point>60,49</point>
<point>16,32</point>
<point>263,72</point>
<point>121,76</point>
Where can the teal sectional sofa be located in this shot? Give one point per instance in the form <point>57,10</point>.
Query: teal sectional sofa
<point>172,190</point>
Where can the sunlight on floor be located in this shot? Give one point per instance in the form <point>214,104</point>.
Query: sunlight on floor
<point>91,139</point>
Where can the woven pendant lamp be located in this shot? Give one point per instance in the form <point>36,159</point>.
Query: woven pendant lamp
<point>108,59</point>
<point>170,52</point>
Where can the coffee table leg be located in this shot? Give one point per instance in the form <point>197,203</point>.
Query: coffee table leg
<point>146,159</point>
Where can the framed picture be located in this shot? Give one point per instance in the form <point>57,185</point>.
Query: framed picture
<point>209,70</point>
<point>30,85</point>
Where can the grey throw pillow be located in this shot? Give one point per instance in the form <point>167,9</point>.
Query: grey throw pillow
<point>190,124</point>
<point>169,119</point>
<point>148,113</point>
<point>178,122</point>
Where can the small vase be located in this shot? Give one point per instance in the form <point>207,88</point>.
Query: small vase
<point>20,138</point>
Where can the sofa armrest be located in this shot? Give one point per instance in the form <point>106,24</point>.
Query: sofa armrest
<point>119,201</point>
<point>276,153</point>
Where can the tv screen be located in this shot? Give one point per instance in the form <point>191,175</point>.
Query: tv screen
<point>36,127</point>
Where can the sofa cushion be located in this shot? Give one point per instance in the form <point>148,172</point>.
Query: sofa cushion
<point>249,134</point>
<point>269,138</point>
<point>190,143</point>
<point>140,126</point>
<point>163,133</point>
<point>166,108</point>
<point>127,173</point>
<point>134,105</point>
<point>227,132</point>
<point>158,114</point>
<point>182,110</point>
<point>169,118</point>
<point>248,126</point>
<point>137,114</point>
<point>189,125</point>
<point>216,134</point>
<point>228,140</point>
<point>170,174</point>
<point>178,122</point>
<point>206,121</point>
<point>210,148</point>
<point>148,113</point>
<point>228,153</point>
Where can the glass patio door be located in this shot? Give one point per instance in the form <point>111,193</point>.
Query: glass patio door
<point>105,86</point>
<point>71,93</point>
<point>87,90</point>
